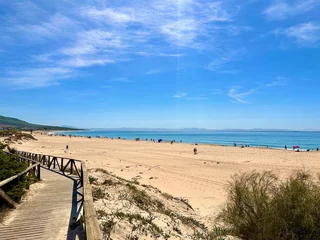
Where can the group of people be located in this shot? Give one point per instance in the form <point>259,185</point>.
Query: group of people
<point>242,146</point>
<point>297,148</point>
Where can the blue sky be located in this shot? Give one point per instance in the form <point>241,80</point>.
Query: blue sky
<point>161,63</point>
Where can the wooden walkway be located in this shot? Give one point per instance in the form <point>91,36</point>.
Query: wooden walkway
<point>48,211</point>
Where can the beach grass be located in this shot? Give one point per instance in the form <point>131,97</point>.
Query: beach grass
<point>261,207</point>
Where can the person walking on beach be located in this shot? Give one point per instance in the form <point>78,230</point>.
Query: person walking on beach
<point>67,147</point>
<point>285,147</point>
<point>195,151</point>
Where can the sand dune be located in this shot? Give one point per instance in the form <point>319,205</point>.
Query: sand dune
<point>173,168</point>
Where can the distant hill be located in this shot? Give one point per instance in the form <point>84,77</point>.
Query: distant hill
<point>6,122</point>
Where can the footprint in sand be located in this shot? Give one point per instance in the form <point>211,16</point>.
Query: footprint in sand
<point>127,166</point>
<point>140,172</point>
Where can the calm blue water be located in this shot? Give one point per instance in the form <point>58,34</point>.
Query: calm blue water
<point>306,140</point>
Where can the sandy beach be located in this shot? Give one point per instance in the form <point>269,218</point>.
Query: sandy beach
<point>173,168</point>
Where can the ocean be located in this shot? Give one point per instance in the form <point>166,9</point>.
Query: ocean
<point>271,139</point>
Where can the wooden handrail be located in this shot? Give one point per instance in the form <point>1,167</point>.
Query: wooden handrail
<point>76,160</point>
<point>91,220</point>
<point>4,182</point>
<point>6,197</point>
<point>21,157</point>
<point>92,229</point>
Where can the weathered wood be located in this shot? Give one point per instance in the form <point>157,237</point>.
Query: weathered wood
<point>38,172</point>
<point>91,220</point>
<point>71,166</point>
<point>61,167</point>
<point>17,175</point>
<point>8,199</point>
<point>45,215</point>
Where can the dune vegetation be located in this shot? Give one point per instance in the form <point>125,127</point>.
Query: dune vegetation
<point>262,207</point>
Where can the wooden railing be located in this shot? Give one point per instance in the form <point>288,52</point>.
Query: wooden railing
<point>78,168</point>
<point>64,165</point>
<point>33,170</point>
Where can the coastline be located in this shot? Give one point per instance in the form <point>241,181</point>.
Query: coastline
<point>174,168</point>
<point>60,133</point>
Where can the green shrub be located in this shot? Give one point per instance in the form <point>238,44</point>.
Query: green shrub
<point>8,168</point>
<point>261,207</point>
<point>97,193</point>
<point>92,179</point>
<point>2,146</point>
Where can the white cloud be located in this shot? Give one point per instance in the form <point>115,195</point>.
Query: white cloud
<point>36,77</point>
<point>283,10</point>
<point>171,54</point>
<point>56,27</point>
<point>305,34</point>
<point>79,35</point>
<point>110,15</point>
<point>239,97</point>
<point>78,62</point>
<point>181,32</point>
<point>180,95</point>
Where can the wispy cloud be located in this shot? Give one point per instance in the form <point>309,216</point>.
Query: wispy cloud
<point>239,97</point>
<point>279,82</point>
<point>36,77</point>
<point>305,34</point>
<point>82,35</point>
<point>56,27</point>
<point>282,10</point>
<point>224,58</point>
<point>180,95</point>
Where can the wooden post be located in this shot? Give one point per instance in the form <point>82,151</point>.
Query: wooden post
<point>38,170</point>
<point>8,199</point>
<point>71,166</point>
<point>81,177</point>
<point>61,165</point>
<point>48,162</point>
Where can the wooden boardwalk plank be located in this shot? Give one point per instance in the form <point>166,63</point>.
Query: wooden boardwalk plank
<point>46,213</point>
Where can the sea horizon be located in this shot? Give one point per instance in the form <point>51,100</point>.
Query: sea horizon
<point>254,138</point>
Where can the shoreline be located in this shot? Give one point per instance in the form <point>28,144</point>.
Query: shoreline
<point>58,133</point>
<point>174,168</point>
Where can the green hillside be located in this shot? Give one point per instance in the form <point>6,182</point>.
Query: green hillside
<point>17,123</point>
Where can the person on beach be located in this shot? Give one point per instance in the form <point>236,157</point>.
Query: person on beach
<point>67,147</point>
<point>285,147</point>
<point>317,149</point>
<point>195,151</point>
